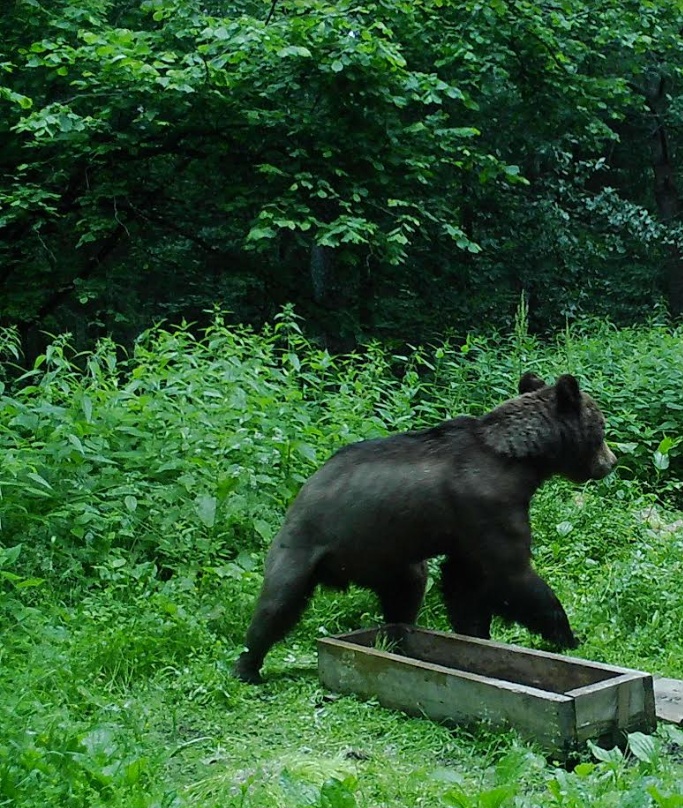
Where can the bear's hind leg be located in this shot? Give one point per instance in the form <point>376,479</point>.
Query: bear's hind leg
<point>401,592</point>
<point>287,587</point>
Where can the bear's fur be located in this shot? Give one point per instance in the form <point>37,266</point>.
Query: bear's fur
<point>377,509</point>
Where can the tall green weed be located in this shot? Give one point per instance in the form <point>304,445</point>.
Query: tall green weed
<point>189,450</point>
<point>138,495</point>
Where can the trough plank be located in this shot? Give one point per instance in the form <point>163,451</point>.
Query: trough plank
<point>622,704</point>
<point>549,671</point>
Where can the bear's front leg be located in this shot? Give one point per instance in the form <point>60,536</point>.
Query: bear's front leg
<point>526,598</point>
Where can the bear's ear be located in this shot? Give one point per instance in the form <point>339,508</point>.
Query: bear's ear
<point>530,382</point>
<point>568,394</point>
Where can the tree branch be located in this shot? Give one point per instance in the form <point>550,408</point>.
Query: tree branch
<point>271,12</point>
<point>93,263</point>
<point>173,227</point>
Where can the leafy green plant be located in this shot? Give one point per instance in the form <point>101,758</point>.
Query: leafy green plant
<point>140,491</point>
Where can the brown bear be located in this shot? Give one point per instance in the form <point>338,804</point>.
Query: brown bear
<point>377,509</point>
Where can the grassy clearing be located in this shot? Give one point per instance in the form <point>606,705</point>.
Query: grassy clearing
<point>138,495</point>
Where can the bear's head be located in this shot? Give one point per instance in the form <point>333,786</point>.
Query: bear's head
<point>557,427</point>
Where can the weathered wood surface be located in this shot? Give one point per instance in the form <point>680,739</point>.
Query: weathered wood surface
<point>556,700</point>
<point>439,693</point>
<point>669,699</point>
<point>540,669</point>
<point>621,704</point>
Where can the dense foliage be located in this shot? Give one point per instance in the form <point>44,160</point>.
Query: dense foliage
<point>139,492</point>
<point>400,169</point>
<point>395,167</point>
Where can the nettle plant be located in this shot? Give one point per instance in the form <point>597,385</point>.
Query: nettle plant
<point>185,452</point>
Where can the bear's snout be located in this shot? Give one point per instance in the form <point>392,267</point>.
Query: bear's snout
<point>603,463</point>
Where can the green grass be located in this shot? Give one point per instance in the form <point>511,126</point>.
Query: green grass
<point>110,708</point>
<point>139,495</point>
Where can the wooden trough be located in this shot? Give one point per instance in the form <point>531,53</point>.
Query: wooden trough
<point>558,701</point>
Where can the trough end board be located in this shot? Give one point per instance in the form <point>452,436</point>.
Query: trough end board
<point>447,695</point>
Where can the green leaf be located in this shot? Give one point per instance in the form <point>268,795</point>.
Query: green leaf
<point>27,583</point>
<point>674,800</point>
<point>307,451</point>
<point>76,441</point>
<point>135,770</point>
<point>660,461</point>
<point>495,797</point>
<point>32,475</point>
<point>667,444</point>
<point>336,794</point>
<point>625,448</point>
<point>8,555</point>
<point>295,50</point>
<point>613,755</point>
<point>260,233</point>
<point>206,509</point>
<point>642,747</point>
<point>246,560</point>
<point>263,529</point>
<point>86,403</point>
<point>293,360</point>
<point>99,742</point>
<point>457,798</point>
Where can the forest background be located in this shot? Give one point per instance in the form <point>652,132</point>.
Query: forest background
<point>351,219</point>
<point>402,170</point>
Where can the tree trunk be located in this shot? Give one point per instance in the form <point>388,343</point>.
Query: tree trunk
<point>322,275</point>
<point>332,294</point>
